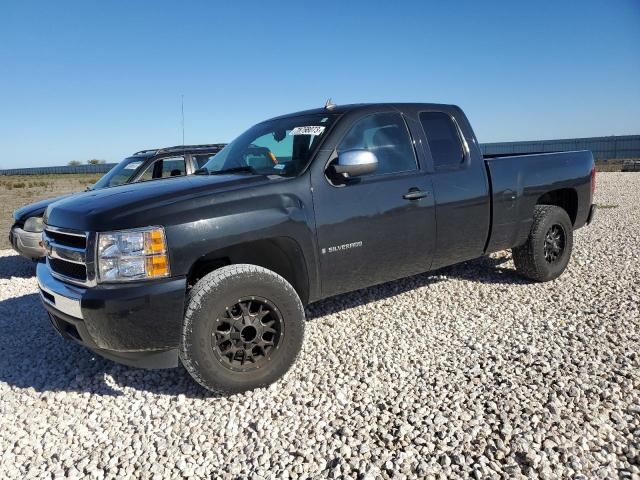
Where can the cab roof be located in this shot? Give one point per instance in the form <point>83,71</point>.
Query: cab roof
<point>341,109</point>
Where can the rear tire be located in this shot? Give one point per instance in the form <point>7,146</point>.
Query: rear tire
<point>243,329</point>
<point>548,249</point>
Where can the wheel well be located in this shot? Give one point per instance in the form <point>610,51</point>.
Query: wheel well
<point>282,255</point>
<point>566,198</point>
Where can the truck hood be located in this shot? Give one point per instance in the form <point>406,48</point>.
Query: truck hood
<point>156,202</point>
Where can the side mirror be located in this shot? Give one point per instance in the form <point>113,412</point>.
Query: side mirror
<point>353,163</point>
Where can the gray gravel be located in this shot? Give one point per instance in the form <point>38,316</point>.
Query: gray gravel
<point>469,371</point>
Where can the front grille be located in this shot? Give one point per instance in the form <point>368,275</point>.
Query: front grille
<point>67,254</point>
<point>67,239</point>
<point>69,269</point>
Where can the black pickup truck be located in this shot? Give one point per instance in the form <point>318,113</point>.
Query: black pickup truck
<point>214,269</point>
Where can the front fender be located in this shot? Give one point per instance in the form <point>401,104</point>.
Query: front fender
<point>236,227</point>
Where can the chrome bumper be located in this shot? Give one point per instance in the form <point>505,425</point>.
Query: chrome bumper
<point>27,244</point>
<point>61,296</point>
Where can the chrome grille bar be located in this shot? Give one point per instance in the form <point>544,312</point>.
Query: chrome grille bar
<point>65,260</point>
<point>64,252</point>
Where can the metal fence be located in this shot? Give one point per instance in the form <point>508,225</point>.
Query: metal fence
<point>603,148</point>
<point>101,168</point>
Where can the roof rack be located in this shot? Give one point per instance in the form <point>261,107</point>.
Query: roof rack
<point>150,150</point>
<point>204,146</point>
<point>180,148</point>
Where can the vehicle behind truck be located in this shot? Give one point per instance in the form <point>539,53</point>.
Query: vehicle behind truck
<point>25,235</point>
<point>213,270</point>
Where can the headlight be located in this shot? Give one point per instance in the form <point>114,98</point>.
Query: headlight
<point>132,255</point>
<point>33,224</point>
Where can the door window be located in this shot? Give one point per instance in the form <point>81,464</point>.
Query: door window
<point>173,167</point>
<point>386,135</point>
<point>165,167</point>
<point>443,139</point>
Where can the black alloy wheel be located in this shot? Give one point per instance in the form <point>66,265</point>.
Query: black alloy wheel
<point>246,333</point>
<point>554,242</point>
<point>233,336</point>
<point>546,253</point>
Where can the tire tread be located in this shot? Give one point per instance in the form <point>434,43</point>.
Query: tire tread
<point>194,303</point>
<point>527,261</point>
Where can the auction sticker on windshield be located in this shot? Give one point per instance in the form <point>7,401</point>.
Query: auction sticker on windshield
<point>308,130</point>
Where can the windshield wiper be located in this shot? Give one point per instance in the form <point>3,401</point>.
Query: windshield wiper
<point>245,168</point>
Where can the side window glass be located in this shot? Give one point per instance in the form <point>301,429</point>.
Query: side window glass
<point>147,174</point>
<point>165,167</point>
<point>386,135</point>
<point>173,167</point>
<point>444,140</point>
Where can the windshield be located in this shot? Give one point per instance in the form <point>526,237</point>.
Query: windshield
<point>119,174</point>
<point>277,147</point>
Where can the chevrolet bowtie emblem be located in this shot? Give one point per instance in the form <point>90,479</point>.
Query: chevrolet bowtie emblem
<point>47,246</point>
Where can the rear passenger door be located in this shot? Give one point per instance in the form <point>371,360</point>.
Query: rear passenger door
<point>369,230</point>
<point>461,189</point>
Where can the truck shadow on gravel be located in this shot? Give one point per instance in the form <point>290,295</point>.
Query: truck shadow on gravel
<point>33,355</point>
<point>16,266</point>
<point>488,270</point>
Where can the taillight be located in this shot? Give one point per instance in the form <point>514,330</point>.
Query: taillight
<point>593,180</point>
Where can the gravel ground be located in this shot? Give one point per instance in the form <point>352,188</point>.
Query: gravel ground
<point>469,371</point>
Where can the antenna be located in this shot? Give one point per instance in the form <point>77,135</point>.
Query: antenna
<point>182,110</point>
<point>329,105</point>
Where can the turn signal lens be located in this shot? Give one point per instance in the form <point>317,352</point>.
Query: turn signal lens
<point>154,242</point>
<point>157,266</point>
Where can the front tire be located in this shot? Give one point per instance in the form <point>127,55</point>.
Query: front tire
<point>548,249</point>
<point>243,329</point>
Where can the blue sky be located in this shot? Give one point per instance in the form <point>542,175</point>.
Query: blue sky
<point>82,80</point>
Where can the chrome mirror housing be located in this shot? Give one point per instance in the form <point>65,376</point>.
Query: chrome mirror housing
<point>353,163</point>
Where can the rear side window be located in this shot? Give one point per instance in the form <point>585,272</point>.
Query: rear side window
<point>173,167</point>
<point>444,140</point>
<point>385,134</point>
<point>163,168</point>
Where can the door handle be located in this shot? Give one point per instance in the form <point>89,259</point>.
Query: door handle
<point>415,194</point>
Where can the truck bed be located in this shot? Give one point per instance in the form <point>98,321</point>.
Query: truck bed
<point>519,182</point>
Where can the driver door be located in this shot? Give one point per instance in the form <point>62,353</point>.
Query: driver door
<point>369,231</point>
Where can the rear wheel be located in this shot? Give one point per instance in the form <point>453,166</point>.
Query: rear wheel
<point>243,329</point>
<point>548,249</point>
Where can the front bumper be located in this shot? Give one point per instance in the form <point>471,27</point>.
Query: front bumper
<point>27,244</point>
<point>138,324</point>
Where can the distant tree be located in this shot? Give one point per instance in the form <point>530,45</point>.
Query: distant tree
<point>74,163</point>
<point>95,161</point>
